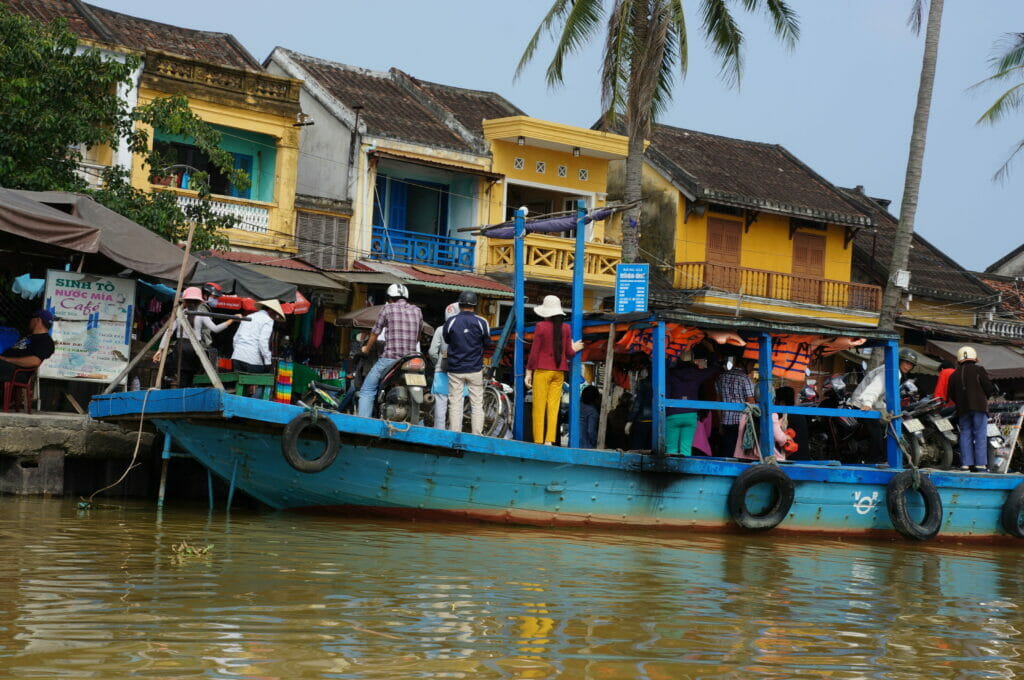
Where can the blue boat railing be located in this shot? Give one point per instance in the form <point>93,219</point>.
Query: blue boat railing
<point>443,252</point>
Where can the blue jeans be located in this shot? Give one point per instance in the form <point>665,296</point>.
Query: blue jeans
<point>974,439</point>
<point>368,392</point>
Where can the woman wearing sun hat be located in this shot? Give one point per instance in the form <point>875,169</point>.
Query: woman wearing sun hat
<point>550,353</point>
<point>251,351</point>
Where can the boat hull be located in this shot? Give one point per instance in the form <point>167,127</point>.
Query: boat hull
<point>412,471</point>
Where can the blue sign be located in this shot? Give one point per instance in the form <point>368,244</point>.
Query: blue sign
<point>631,287</point>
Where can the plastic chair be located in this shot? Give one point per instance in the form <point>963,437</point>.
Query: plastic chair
<point>22,380</point>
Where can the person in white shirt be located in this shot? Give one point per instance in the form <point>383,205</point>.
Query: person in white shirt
<point>251,351</point>
<point>204,329</point>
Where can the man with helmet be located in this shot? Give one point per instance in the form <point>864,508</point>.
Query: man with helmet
<point>467,336</point>
<point>970,389</point>
<point>403,322</point>
<point>870,396</point>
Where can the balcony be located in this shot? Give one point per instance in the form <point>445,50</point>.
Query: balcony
<point>551,258</point>
<point>762,291</point>
<point>413,247</point>
<point>253,217</point>
<point>1003,327</point>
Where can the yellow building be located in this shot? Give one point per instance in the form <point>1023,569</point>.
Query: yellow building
<point>548,168</point>
<point>746,229</point>
<point>255,112</point>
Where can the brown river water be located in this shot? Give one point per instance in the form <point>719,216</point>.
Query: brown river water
<point>102,594</point>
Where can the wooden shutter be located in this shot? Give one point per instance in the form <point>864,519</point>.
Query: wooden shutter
<point>322,240</point>
<point>723,254</point>
<point>808,267</point>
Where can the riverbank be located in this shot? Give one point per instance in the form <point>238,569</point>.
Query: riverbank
<point>56,454</point>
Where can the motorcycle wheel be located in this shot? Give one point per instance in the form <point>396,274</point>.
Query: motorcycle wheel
<point>945,450</point>
<point>496,413</point>
<point>914,446</point>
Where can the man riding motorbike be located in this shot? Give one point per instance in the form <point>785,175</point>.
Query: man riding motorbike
<point>870,396</point>
<point>403,322</point>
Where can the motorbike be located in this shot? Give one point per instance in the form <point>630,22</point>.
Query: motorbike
<point>843,438</point>
<point>402,395</point>
<point>929,434</point>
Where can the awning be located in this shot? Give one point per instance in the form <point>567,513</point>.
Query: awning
<point>924,364</point>
<point>236,279</point>
<point>370,278</point>
<point>299,277</point>
<point>434,164</point>
<point>123,241</point>
<point>445,279</point>
<point>23,216</point>
<point>1000,361</point>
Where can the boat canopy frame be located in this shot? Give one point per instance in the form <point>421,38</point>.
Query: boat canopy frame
<point>763,330</point>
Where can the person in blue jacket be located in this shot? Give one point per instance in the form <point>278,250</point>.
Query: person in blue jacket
<point>467,335</point>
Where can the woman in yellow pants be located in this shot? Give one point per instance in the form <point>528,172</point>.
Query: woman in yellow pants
<point>550,353</point>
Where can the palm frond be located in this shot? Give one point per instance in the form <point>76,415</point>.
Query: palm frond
<point>615,67</point>
<point>725,38</point>
<point>558,11</point>
<point>682,45</point>
<point>916,18</point>
<point>1008,102</point>
<point>1009,53</point>
<point>1004,170</point>
<point>581,23</point>
<point>647,96</point>
<point>784,20</point>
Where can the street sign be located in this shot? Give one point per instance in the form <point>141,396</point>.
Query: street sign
<point>631,287</point>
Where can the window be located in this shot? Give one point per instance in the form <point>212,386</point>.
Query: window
<point>518,163</point>
<point>541,167</point>
<point>584,174</point>
<point>322,239</point>
<point>563,171</point>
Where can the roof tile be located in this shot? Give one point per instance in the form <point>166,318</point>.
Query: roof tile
<point>751,174</point>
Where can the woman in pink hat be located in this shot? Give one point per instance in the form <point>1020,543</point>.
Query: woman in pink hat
<point>550,353</point>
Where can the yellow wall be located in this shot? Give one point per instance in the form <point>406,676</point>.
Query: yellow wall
<point>941,312</point>
<point>766,245</point>
<point>505,153</point>
<point>281,230</point>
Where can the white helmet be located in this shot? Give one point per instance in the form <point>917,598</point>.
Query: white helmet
<point>398,290</point>
<point>966,353</point>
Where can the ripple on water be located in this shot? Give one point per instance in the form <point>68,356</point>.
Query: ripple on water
<point>296,596</point>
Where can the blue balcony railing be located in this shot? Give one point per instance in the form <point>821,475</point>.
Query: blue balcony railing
<point>413,247</point>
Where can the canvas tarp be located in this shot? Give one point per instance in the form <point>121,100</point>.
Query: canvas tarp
<point>1000,361</point>
<point>123,241</point>
<point>239,280</point>
<point>23,216</point>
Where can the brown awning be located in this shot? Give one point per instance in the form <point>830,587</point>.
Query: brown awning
<point>451,167</point>
<point>1001,361</point>
<point>123,241</point>
<point>23,216</point>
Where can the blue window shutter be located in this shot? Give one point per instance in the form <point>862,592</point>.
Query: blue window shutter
<point>397,204</point>
<point>243,162</point>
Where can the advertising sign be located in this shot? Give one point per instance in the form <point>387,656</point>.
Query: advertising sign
<point>631,287</point>
<point>92,328</point>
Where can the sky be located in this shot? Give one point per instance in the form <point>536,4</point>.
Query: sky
<point>842,100</point>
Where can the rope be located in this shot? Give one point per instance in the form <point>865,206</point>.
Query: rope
<point>86,503</point>
<point>889,420</point>
<point>753,412</point>
<point>393,430</point>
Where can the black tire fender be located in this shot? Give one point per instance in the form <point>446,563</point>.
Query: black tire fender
<point>1011,513</point>
<point>783,493</point>
<point>290,442</point>
<point>899,515</point>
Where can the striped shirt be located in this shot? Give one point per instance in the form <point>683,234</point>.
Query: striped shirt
<point>403,322</point>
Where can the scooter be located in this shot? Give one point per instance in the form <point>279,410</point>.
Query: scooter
<point>401,396</point>
<point>929,434</point>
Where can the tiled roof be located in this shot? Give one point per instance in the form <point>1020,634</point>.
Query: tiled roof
<point>749,175</point>
<point>105,26</point>
<point>438,278</point>
<point>470,107</point>
<point>80,23</point>
<point>142,34</point>
<point>1011,293</point>
<point>268,260</point>
<point>388,109</point>
<point>932,272</point>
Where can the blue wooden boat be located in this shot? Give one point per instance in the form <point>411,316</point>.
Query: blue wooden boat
<point>400,470</point>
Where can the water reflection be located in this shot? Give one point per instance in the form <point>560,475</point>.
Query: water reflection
<point>102,595</point>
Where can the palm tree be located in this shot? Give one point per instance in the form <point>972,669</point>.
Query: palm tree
<point>1008,64</point>
<point>645,42</point>
<point>915,159</point>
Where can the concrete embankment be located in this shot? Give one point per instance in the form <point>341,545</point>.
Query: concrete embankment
<point>65,454</point>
